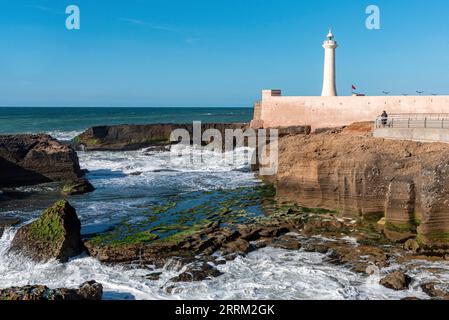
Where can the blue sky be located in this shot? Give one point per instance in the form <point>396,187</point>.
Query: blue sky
<point>214,52</point>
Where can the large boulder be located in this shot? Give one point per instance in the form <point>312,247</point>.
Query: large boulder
<point>55,235</point>
<point>87,291</point>
<point>397,280</point>
<point>33,159</point>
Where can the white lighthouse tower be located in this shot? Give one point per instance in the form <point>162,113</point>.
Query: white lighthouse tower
<point>329,85</point>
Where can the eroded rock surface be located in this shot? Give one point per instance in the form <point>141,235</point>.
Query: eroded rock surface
<point>350,171</point>
<point>397,280</point>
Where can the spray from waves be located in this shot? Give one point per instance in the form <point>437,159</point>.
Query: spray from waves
<point>196,169</point>
<point>179,158</point>
<point>64,135</point>
<point>265,274</point>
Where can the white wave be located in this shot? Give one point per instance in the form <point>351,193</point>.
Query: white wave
<point>64,135</point>
<point>194,169</point>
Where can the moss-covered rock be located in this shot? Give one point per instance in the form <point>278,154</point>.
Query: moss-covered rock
<point>55,235</point>
<point>79,186</point>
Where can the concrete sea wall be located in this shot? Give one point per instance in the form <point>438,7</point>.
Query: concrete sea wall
<point>413,134</point>
<point>275,110</point>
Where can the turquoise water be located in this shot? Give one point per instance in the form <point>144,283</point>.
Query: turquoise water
<point>67,122</point>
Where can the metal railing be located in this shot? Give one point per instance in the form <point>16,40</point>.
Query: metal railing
<point>414,120</point>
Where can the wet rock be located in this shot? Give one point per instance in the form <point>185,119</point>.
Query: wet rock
<point>358,258</point>
<point>34,159</point>
<point>315,247</point>
<point>197,272</point>
<point>250,233</point>
<point>398,236</point>
<point>397,280</point>
<point>411,245</point>
<point>55,235</point>
<point>87,291</point>
<point>272,231</point>
<point>154,276</point>
<point>156,254</point>
<point>239,246</point>
<point>287,243</point>
<point>80,186</point>
<point>90,290</point>
<point>317,225</point>
<point>432,291</point>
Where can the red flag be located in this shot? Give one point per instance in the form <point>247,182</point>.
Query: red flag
<point>353,87</point>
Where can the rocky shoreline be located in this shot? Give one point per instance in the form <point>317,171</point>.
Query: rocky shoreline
<point>353,243</point>
<point>382,203</point>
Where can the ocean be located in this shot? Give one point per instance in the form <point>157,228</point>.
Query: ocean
<point>129,184</point>
<point>66,123</point>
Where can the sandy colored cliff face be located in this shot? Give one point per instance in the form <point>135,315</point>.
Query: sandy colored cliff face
<point>353,172</point>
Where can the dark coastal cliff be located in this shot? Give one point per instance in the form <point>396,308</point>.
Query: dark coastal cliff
<point>347,169</point>
<point>34,159</point>
<point>133,137</point>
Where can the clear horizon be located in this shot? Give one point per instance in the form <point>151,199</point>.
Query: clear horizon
<point>221,53</point>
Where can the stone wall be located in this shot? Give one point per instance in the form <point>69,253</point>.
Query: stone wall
<point>321,112</point>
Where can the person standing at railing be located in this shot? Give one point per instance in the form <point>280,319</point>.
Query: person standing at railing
<point>384,119</point>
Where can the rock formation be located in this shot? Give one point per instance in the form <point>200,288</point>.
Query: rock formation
<point>79,186</point>
<point>133,137</point>
<point>55,235</point>
<point>34,159</point>
<point>397,280</point>
<point>350,171</point>
<point>87,291</point>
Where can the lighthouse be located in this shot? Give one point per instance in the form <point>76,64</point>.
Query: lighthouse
<point>329,85</point>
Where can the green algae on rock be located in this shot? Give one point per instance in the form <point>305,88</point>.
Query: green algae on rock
<point>80,186</point>
<point>54,235</point>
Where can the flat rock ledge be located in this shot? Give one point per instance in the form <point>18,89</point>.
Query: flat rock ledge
<point>345,241</point>
<point>90,290</point>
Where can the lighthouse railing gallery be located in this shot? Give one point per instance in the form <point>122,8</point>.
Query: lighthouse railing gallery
<point>414,120</point>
